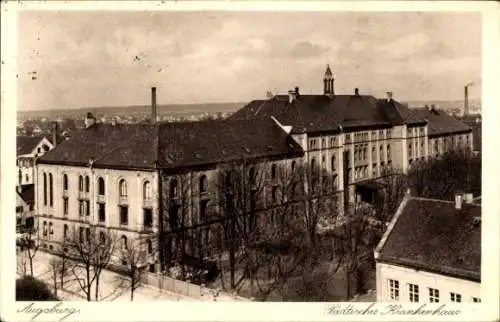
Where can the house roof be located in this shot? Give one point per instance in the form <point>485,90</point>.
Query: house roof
<point>26,144</point>
<point>318,113</point>
<point>432,235</point>
<point>28,193</point>
<point>440,122</point>
<point>173,145</point>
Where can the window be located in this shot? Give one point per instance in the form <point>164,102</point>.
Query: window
<point>87,234</point>
<point>26,177</point>
<point>45,228</point>
<point>101,189</point>
<point>65,231</point>
<point>81,235</point>
<point>123,188</point>
<point>19,209</point>
<point>102,212</point>
<point>251,175</point>
<point>148,217</point>
<point>87,184</point>
<point>393,289</point>
<point>51,190</point>
<point>65,182</point>
<point>51,228</point>
<point>65,205</point>
<point>203,210</point>
<point>413,292</point>
<point>80,183</point>
<point>294,164</point>
<point>124,242</point>
<point>323,144</point>
<point>102,237</point>
<point>45,189</point>
<point>173,188</point>
<point>123,215</point>
<point>81,208</point>
<point>203,183</point>
<point>86,204</point>
<point>476,300</point>
<point>333,163</point>
<point>455,297</point>
<point>149,246</point>
<point>273,171</point>
<point>313,166</point>
<point>274,193</point>
<point>433,295</point>
<point>388,152</point>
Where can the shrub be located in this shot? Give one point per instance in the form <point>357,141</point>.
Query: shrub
<point>29,288</point>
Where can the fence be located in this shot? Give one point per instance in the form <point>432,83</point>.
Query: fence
<point>165,283</point>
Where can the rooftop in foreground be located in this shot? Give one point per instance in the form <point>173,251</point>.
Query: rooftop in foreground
<point>434,236</point>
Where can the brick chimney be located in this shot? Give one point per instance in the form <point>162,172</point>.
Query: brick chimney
<point>153,104</point>
<point>292,95</point>
<point>356,91</point>
<point>389,96</point>
<point>55,133</point>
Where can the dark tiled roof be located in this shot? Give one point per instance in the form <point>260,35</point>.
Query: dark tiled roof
<point>28,194</point>
<point>173,145</point>
<point>432,235</point>
<point>440,122</point>
<point>26,144</point>
<point>317,113</point>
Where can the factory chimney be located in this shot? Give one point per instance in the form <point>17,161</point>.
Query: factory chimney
<point>153,104</point>
<point>466,100</point>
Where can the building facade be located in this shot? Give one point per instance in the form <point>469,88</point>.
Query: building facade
<point>439,261</point>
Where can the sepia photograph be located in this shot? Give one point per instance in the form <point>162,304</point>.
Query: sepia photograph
<point>248,156</point>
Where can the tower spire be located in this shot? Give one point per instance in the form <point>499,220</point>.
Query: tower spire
<point>328,81</point>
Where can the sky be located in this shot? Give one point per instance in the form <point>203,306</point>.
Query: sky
<point>71,59</point>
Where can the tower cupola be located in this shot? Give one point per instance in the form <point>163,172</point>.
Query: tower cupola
<point>328,81</point>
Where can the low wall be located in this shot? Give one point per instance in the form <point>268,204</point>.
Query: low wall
<point>165,283</point>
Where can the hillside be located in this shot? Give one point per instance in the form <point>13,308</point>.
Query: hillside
<point>136,110</point>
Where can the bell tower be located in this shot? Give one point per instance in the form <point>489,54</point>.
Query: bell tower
<point>328,82</point>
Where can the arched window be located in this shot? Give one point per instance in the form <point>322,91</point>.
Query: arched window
<point>45,228</point>
<point>44,188</point>
<point>149,245</point>
<point>65,231</point>
<point>101,189</point>
<point>124,242</point>
<point>123,188</point>
<point>51,190</point>
<point>80,183</point>
<point>203,183</point>
<point>51,228</point>
<point>333,163</point>
<point>273,171</point>
<point>146,191</point>
<point>87,184</point>
<point>65,182</point>
<point>173,188</point>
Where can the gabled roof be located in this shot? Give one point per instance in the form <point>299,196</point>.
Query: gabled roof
<point>318,113</point>
<point>432,235</point>
<point>28,193</point>
<point>26,144</point>
<point>440,122</point>
<point>173,145</point>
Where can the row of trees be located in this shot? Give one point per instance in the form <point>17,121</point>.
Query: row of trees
<point>82,258</point>
<point>264,229</point>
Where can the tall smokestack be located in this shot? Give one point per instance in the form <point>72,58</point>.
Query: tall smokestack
<point>153,104</point>
<point>466,100</point>
<point>54,133</point>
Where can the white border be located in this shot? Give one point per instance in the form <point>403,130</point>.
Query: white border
<point>168,311</point>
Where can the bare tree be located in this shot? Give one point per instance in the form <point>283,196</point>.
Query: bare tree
<point>29,246</point>
<point>92,250</point>
<point>55,267</point>
<point>134,257</point>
